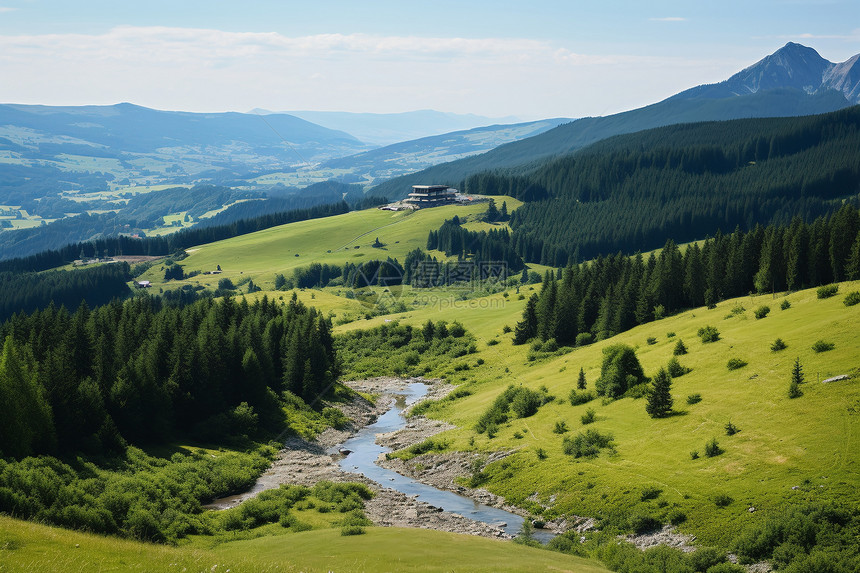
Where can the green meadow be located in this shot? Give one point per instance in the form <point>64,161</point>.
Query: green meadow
<point>26,546</point>
<point>333,240</point>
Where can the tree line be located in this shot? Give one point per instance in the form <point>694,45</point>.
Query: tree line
<point>614,293</point>
<point>141,371</point>
<point>97,285</point>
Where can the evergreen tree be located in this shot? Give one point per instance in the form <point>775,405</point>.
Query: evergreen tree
<point>581,382</point>
<point>794,390</point>
<point>659,402</point>
<point>526,329</point>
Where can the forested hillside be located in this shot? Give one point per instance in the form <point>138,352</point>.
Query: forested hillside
<point>632,192</point>
<point>522,155</point>
<point>613,294</point>
<point>143,372</point>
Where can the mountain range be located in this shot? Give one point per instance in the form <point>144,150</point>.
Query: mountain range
<point>793,81</point>
<point>381,129</point>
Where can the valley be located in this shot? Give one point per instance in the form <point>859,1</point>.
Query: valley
<point>631,347</point>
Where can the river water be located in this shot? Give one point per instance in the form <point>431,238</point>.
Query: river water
<point>365,451</point>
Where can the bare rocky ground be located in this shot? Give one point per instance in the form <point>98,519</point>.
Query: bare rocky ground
<point>303,462</point>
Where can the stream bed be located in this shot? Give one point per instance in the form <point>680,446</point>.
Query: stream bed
<point>364,451</point>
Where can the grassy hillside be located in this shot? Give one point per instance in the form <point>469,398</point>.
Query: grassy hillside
<point>786,451</point>
<point>26,546</point>
<point>333,240</point>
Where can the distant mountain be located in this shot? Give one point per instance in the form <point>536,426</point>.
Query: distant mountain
<point>387,128</point>
<point>42,132</point>
<point>409,156</point>
<point>792,66</point>
<point>781,85</point>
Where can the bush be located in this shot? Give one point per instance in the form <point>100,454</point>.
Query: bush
<point>680,348</point>
<point>526,403</point>
<point>704,558</point>
<point>577,398</point>
<point>709,334</point>
<point>619,371</point>
<point>822,346</point>
<point>586,444</point>
<point>651,340</point>
<point>694,455</point>
<point>560,427</point>
<point>643,523</point>
<point>589,417</point>
<point>675,368</point>
<point>731,429</point>
<point>735,363</point>
<point>506,329</point>
<point>670,335</point>
<point>694,399</point>
<point>852,298</point>
<point>761,311</point>
<point>713,449</point>
<point>778,344</point>
<point>784,305</point>
<point>826,291</point>
<point>722,500</point>
<point>584,339</point>
<point>650,493</point>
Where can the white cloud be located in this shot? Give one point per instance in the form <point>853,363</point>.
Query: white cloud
<point>208,70</point>
<point>4,9</point>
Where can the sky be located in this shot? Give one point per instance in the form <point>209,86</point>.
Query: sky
<point>537,59</point>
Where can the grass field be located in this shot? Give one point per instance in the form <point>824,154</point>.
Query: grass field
<point>26,546</point>
<point>333,240</point>
<point>786,450</point>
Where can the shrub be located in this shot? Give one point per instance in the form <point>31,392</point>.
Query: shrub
<point>619,371</point>
<point>852,298</point>
<point>675,368</point>
<point>704,558</point>
<point>826,291</point>
<point>670,335</point>
<point>650,493</point>
<point>713,449</point>
<point>731,429</point>
<point>677,517</point>
<point>735,363</point>
<point>526,403</point>
<point>694,399</point>
<point>761,311</point>
<point>651,340</point>
<point>492,342</point>
<point>586,444</point>
<point>584,339</point>
<point>784,305</point>
<point>506,329</point>
<point>709,334</point>
<point>722,500</point>
<point>694,455</point>
<point>643,523</point>
<point>589,417</point>
<point>541,453</point>
<point>680,348</point>
<point>577,398</point>
<point>778,344</point>
<point>560,427</point>
<point>822,346</point>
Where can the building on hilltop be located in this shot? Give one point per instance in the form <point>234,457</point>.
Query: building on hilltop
<point>424,196</point>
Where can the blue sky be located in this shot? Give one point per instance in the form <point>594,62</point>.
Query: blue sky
<point>536,59</point>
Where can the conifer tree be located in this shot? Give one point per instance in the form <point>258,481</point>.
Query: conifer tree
<point>527,327</point>
<point>659,402</point>
<point>581,382</point>
<point>794,390</point>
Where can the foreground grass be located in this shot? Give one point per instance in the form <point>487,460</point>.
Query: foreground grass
<point>26,546</point>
